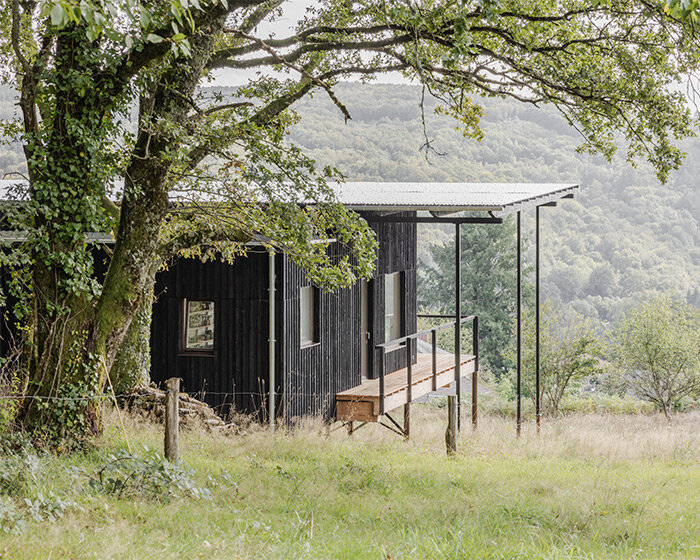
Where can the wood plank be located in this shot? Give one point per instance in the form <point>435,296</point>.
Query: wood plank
<point>396,381</point>
<point>356,403</point>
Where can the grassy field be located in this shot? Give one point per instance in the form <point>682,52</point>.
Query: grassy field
<point>587,487</point>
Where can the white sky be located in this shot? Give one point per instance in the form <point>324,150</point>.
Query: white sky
<point>293,11</point>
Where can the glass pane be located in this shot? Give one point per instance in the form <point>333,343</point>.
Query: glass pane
<point>306,302</point>
<point>392,306</point>
<point>200,325</point>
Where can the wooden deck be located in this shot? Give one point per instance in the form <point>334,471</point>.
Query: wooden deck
<point>361,403</point>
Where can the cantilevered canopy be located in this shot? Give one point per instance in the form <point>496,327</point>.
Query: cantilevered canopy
<point>499,198</point>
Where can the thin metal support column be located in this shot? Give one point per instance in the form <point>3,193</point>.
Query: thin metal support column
<point>518,412</point>
<point>409,390</point>
<point>271,339</point>
<point>475,373</point>
<point>433,343</point>
<point>538,411</point>
<point>458,322</point>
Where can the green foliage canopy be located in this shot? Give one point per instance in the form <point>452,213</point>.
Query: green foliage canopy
<point>657,348</point>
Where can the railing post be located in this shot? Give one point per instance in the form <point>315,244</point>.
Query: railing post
<point>475,385</point>
<point>433,337</point>
<point>382,359</point>
<point>409,389</point>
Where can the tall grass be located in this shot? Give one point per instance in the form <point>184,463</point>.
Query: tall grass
<point>586,487</point>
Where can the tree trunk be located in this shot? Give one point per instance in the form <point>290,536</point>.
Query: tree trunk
<point>76,335</point>
<point>59,359</point>
<point>132,364</point>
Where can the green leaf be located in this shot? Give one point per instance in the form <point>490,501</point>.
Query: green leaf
<point>185,48</point>
<point>58,16</point>
<point>153,38</point>
<point>145,18</point>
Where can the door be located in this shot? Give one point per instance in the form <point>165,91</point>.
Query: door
<point>364,330</point>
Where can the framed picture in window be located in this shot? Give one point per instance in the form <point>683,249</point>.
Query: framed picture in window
<point>198,327</point>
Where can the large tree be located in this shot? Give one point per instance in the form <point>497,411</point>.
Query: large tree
<point>79,65</point>
<point>656,348</point>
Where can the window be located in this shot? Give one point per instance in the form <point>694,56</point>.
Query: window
<point>307,303</point>
<point>198,326</point>
<point>392,306</point>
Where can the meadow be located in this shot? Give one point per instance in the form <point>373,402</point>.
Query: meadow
<point>588,486</point>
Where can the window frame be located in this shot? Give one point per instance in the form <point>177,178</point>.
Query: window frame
<point>184,328</point>
<point>396,279</point>
<point>313,315</point>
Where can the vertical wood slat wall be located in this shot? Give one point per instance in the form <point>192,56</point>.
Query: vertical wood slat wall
<point>315,374</point>
<point>307,378</point>
<point>237,372</point>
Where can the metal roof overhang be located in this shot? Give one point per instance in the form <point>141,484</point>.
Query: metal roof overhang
<point>499,199</point>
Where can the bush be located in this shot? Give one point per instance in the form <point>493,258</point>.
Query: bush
<point>11,520</point>
<point>20,470</point>
<point>607,404</point>
<point>149,477</point>
<point>18,474</point>
<point>657,350</point>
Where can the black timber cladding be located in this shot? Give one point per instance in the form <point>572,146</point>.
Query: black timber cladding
<point>314,375</point>
<point>308,378</point>
<point>237,371</point>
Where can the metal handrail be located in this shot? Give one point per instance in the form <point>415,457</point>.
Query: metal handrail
<point>407,342</point>
<point>398,342</point>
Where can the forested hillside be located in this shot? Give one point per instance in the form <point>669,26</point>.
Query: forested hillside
<point>625,235</point>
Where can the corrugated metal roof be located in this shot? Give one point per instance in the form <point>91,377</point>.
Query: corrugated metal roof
<point>501,198</point>
<point>449,197</point>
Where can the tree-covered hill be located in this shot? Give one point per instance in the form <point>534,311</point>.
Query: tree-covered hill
<point>623,237</point>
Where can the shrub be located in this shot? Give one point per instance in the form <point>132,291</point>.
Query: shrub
<point>607,404</point>
<point>150,477</point>
<point>11,520</point>
<point>18,474</point>
<point>657,349</point>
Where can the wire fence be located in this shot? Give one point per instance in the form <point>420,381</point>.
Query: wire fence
<point>198,394</point>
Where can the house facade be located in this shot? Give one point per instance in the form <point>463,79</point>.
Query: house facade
<point>211,327</point>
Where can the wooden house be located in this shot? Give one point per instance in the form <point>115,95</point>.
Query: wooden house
<point>257,337</point>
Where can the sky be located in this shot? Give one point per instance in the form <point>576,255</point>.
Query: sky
<point>293,11</point>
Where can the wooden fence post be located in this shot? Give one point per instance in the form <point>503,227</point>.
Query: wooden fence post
<point>451,432</point>
<point>172,419</point>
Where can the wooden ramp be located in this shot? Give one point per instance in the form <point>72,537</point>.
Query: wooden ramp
<point>361,403</point>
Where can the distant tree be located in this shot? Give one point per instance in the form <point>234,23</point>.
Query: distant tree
<point>488,286</point>
<point>602,281</point>
<point>568,280</point>
<point>657,349</point>
<point>569,350</point>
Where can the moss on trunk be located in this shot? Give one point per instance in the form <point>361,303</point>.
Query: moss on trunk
<point>132,365</point>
